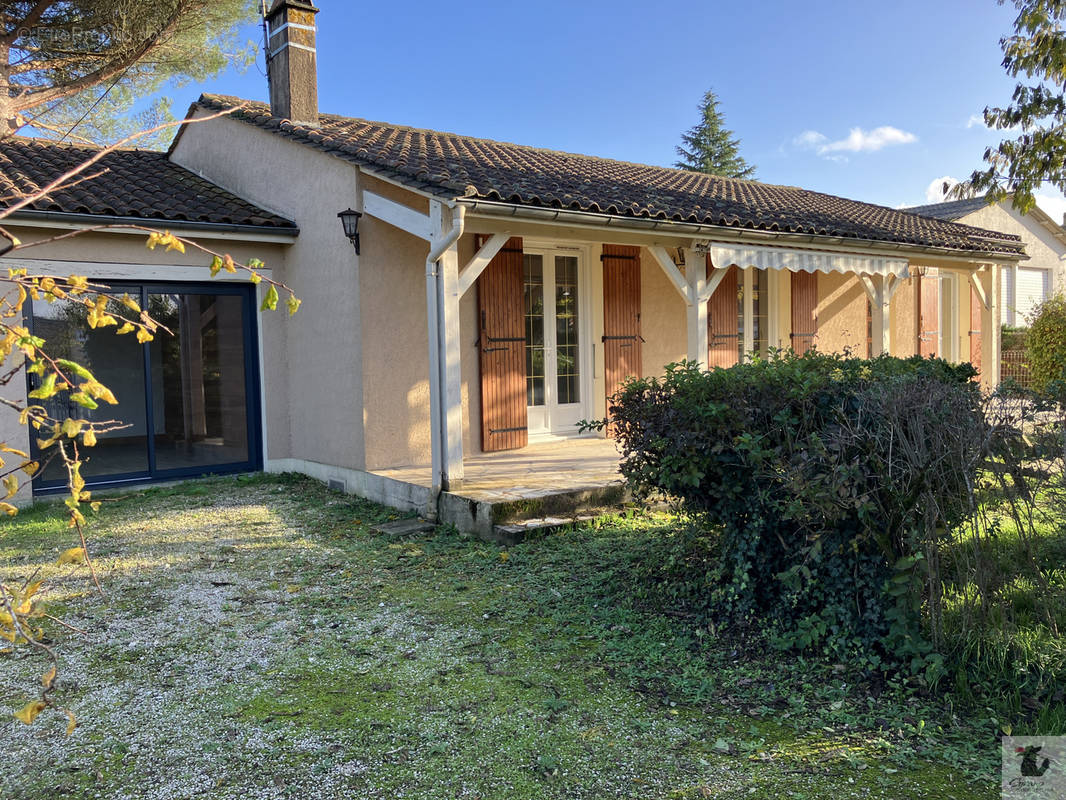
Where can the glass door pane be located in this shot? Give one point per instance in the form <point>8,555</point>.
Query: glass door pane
<point>199,403</point>
<point>118,363</point>
<point>567,354</point>
<point>534,299</point>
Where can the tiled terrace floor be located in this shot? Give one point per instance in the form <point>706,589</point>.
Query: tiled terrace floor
<point>534,471</point>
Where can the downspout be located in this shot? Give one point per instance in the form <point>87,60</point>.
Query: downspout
<point>438,354</point>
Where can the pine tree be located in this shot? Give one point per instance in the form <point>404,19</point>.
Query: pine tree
<point>709,147</point>
<point>90,63</point>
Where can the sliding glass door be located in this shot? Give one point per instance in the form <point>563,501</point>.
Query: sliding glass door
<point>188,399</point>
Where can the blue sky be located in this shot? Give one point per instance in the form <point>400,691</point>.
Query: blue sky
<point>872,101</point>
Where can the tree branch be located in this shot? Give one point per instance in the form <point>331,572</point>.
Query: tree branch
<point>31,19</point>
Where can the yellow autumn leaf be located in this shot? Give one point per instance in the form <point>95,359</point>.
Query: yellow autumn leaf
<point>30,468</point>
<point>256,278</point>
<point>5,449</point>
<point>75,555</point>
<point>72,427</point>
<point>11,483</point>
<point>89,438</point>
<point>228,264</point>
<point>175,243</point>
<point>153,240</point>
<point>72,724</point>
<point>30,711</point>
<point>504,555</point>
<point>7,508</point>
<point>48,678</point>
<point>127,327</point>
<point>294,305</point>
<point>144,336</point>
<point>78,283</point>
<point>130,303</point>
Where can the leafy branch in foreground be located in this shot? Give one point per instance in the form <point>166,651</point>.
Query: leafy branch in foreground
<point>1018,166</point>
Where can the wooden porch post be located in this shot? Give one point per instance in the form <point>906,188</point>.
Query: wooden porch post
<point>451,370</point>
<point>880,289</point>
<point>988,281</point>
<point>696,276</point>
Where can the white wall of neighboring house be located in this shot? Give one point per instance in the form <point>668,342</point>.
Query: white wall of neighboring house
<point>1026,286</point>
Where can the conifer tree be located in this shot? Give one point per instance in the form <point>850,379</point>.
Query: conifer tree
<point>709,147</point>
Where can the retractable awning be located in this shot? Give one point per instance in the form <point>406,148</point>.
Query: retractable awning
<point>725,255</point>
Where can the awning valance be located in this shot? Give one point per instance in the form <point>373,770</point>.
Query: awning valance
<point>724,255</point>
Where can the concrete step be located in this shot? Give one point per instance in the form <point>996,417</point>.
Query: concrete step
<point>511,517</point>
<point>517,532</point>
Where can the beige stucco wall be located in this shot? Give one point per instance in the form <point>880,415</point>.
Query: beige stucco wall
<point>841,313</point>
<point>663,318</point>
<point>11,433</point>
<point>313,362</point>
<point>392,278</point>
<point>1043,248</point>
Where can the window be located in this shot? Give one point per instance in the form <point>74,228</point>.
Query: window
<point>187,401</point>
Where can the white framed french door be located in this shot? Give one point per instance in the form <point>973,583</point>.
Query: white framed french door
<point>558,355</point>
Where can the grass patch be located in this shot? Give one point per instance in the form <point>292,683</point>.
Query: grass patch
<point>259,641</point>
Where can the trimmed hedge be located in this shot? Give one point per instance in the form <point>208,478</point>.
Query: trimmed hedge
<point>821,482</point>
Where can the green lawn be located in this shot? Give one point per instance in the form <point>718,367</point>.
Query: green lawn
<point>257,641</point>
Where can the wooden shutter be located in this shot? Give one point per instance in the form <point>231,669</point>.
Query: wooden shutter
<point>722,330</point>
<point>502,346</point>
<point>976,309</point>
<point>621,316</point>
<point>928,316</point>
<point>804,311</point>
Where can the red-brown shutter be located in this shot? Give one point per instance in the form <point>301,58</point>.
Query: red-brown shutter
<point>804,311</point>
<point>502,345</point>
<point>928,316</point>
<point>976,309</point>
<point>621,316</point>
<point>722,350</point>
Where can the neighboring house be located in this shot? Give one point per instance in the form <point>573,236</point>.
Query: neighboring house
<point>500,295</point>
<point>1026,285</point>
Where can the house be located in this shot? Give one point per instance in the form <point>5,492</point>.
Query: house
<point>1026,285</point>
<point>497,296</point>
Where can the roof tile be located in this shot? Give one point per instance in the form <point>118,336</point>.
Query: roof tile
<point>140,184</point>
<point>453,166</point>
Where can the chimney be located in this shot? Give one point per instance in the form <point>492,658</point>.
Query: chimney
<point>292,64</point>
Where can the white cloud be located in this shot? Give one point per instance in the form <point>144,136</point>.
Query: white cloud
<point>978,121</point>
<point>938,188</point>
<point>809,139</point>
<point>857,141</point>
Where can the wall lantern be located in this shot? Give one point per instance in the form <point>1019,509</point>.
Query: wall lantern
<point>350,221</point>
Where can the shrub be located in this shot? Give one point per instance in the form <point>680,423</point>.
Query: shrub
<point>825,482</point>
<point>1047,343</point>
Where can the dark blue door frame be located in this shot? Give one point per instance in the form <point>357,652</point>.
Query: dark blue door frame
<point>252,390</point>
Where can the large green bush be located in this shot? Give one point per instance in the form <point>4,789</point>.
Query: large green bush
<point>821,482</point>
<point>1047,343</point>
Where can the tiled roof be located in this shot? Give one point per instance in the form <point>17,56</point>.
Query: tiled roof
<point>956,209</point>
<point>453,166</point>
<point>139,184</point>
